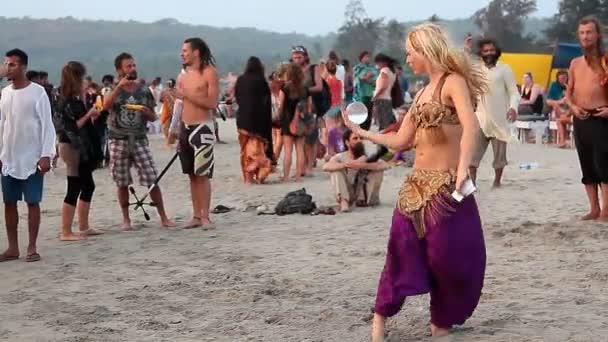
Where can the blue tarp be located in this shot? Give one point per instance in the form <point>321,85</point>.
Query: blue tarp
<point>564,54</point>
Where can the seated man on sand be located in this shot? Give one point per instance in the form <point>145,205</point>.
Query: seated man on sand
<point>354,178</point>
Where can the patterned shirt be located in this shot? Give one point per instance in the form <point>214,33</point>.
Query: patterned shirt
<point>124,123</point>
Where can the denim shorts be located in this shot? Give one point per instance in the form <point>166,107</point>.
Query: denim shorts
<point>28,190</point>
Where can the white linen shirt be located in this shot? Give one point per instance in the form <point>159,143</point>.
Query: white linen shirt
<point>494,105</point>
<point>27,132</point>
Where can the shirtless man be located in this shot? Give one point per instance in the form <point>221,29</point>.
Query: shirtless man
<point>199,91</point>
<point>587,95</point>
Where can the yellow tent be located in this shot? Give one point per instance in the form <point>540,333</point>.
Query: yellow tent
<point>539,65</point>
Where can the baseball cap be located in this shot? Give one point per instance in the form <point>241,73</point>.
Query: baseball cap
<point>300,49</point>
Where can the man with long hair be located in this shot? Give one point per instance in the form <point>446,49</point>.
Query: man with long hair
<point>199,92</point>
<point>587,95</point>
<point>27,146</point>
<point>496,108</point>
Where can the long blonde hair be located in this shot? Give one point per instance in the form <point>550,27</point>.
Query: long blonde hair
<point>431,41</point>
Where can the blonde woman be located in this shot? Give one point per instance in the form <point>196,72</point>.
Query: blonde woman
<point>436,244</point>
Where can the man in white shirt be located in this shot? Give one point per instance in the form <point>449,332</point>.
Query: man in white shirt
<point>27,146</point>
<point>494,110</point>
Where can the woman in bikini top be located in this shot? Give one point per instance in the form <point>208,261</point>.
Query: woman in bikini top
<point>442,126</point>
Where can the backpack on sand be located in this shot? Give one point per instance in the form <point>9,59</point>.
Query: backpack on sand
<point>296,202</point>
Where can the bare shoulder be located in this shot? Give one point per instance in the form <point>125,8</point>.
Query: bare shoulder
<point>576,62</point>
<point>455,83</point>
<point>210,72</point>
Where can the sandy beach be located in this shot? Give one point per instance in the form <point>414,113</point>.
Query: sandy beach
<point>303,278</point>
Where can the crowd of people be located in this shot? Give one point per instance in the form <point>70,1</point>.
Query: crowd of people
<point>466,106</point>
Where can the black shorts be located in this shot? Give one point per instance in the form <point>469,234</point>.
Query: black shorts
<point>195,149</point>
<point>591,139</point>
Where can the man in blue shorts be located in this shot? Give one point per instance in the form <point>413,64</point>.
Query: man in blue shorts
<point>27,146</point>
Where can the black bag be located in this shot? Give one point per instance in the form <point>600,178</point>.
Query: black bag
<point>321,100</point>
<point>296,202</point>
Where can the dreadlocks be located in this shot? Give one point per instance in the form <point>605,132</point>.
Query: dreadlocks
<point>203,51</point>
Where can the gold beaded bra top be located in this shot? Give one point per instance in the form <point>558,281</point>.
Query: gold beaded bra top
<point>429,116</point>
<point>425,196</point>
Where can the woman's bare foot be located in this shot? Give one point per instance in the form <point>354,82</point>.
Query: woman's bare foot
<point>344,206</point>
<point>126,226</point>
<point>71,237</point>
<point>194,223</point>
<point>167,223</point>
<point>439,332</point>
<point>207,224</point>
<point>593,215</point>
<point>378,328</point>
<point>603,217</point>
<point>91,232</point>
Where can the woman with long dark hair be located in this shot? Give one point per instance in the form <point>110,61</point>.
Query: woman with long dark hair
<point>80,147</point>
<point>254,122</point>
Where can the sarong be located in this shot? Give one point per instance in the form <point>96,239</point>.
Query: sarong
<point>255,165</point>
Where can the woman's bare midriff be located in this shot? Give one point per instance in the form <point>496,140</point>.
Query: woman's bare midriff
<point>440,157</point>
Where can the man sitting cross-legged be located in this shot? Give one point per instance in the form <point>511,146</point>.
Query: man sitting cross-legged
<point>355,179</point>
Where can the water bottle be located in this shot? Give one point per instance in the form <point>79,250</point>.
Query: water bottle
<point>528,166</point>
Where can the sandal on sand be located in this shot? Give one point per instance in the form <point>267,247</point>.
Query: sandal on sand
<point>221,209</point>
<point>325,211</point>
<point>33,257</point>
<point>5,258</point>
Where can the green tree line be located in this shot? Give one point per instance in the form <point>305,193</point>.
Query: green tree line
<point>156,46</point>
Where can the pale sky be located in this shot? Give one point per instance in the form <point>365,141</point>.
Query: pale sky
<point>302,16</point>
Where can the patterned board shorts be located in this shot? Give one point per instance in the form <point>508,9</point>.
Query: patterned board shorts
<point>122,159</point>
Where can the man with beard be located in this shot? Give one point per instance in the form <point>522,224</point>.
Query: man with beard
<point>131,107</point>
<point>199,91</point>
<point>497,107</point>
<point>354,179</point>
<point>587,95</point>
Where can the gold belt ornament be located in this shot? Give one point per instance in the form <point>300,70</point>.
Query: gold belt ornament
<point>425,194</point>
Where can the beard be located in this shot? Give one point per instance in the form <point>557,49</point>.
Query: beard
<point>490,60</point>
<point>132,75</point>
<point>358,150</point>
